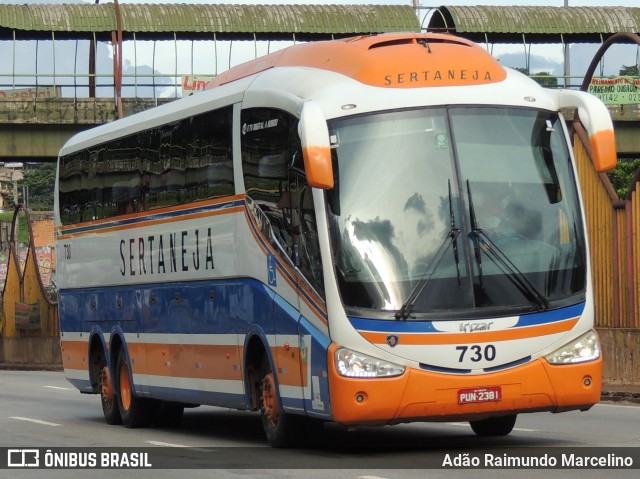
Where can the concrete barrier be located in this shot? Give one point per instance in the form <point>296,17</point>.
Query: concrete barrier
<point>30,353</point>
<point>621,353</point>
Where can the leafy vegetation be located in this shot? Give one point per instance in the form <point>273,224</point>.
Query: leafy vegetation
<point>631,71</point>
<point>40,182</point>
<point>622,175</point>
<point>546,79</point>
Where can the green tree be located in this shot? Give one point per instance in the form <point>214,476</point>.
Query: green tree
<point>40,182</point>
<point>546,79</point>
<point>629,71</point>
<point>622,175</point>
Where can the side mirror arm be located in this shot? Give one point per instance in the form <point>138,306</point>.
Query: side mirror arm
<point>596,119</point>
<point>316,150</point>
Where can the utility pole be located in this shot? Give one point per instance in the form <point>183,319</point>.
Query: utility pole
<point>567,58</point>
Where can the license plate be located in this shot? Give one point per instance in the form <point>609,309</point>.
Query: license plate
<point>473,395</point>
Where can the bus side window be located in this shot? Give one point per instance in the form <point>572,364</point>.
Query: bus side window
<point>185,161</point>
<point>309,245</point>
<point>275,180</point>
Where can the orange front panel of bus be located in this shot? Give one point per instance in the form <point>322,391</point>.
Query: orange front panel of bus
<point>428,396</point>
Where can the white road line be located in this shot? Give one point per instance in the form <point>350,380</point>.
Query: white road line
<point>625,405</point>
<point>36,421</point>
<point>58,387</point>
<point>168,444</point>
<point>164,444</point>
<point>466,424</point>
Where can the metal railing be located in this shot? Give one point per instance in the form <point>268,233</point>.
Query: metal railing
<point>63,85</point>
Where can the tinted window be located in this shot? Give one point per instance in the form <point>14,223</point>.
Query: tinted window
<point>182,162</point>
<point>276,186</point>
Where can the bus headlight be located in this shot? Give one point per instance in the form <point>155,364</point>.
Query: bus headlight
<point>352,364</point>
<point>585,348</point>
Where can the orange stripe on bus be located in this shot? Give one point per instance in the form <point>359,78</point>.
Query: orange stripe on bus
<point>74,354</point>
<point>187,361</point>
<point>142,214</point>
<point>288,363</point>
<point>209,362</point>
<point>480,337</point>
<point>146,224</point>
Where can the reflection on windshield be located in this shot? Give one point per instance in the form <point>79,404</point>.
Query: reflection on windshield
<point>392,210</point>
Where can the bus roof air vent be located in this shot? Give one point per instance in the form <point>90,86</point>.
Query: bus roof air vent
<point>421,40</point>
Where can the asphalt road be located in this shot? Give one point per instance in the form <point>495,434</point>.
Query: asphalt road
<point>41,411</point>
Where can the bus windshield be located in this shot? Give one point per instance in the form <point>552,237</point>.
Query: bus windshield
<point>445,212</point>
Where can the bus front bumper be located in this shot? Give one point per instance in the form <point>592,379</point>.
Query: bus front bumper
<point>419,395</point>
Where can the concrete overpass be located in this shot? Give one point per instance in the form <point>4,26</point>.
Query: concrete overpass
<point>34,130</point>
<point>34,125</point>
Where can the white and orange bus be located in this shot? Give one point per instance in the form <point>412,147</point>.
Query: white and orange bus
<point>368,231</point>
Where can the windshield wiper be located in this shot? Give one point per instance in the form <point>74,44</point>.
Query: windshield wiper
<point>475,237</point>
<point>482,242</point>
<point>452,238</point>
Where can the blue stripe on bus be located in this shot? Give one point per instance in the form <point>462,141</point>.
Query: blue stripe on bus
<point>200,307</point>
<point>426,326</point>
<point>231,306</point>
<point>551,316</point>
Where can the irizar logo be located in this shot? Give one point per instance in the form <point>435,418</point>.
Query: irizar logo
<point>473,327</point>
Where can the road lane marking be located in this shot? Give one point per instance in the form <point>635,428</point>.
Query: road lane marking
<point>36,421</point>
<point>58,387</point>
<point>169,444</point>
<point>165,444</point>
<point>625,405</point>
<point>466,424</point>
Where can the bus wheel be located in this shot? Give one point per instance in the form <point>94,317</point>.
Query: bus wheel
<point>107,398</point>
<point>135,411</point>
<point>280,428</point>
<point>494,426</point>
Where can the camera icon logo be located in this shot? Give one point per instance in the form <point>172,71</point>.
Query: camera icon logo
<point>23,458</point>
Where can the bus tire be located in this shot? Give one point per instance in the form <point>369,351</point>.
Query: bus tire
<point>281,429</point>
<point>494,426</point>
<point>135,411</point>
<point>108,397</point>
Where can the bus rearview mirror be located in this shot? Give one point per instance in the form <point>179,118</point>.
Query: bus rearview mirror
<point>316,151</point>
<point>596,119</point>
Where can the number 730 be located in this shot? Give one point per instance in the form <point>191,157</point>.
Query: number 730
<point>476,353</point>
